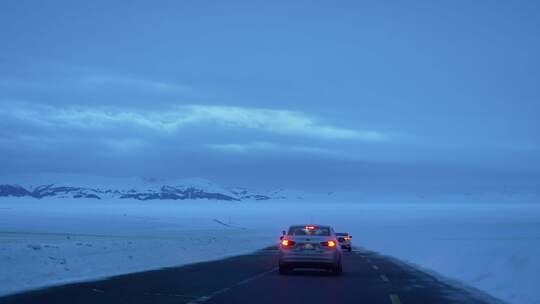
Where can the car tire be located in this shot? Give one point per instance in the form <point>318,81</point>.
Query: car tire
<point>283,270</point>
<point>337,269</point>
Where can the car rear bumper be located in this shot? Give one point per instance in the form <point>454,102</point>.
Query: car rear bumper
<point>345,244</point>
<point>309,260</point>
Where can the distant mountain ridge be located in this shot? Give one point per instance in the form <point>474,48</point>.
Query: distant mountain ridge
<point>131,188</point>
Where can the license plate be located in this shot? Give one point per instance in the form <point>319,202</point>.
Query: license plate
<point>309,246</point>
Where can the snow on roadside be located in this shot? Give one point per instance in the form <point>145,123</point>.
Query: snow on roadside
<point>492,247</point>
<point>50,242</point>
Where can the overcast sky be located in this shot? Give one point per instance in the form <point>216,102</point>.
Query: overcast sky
<point>302,94</point>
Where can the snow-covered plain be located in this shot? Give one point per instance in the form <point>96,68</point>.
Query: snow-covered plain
<point>493,247</point>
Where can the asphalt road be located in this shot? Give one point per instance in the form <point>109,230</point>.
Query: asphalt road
<point>367,278</point>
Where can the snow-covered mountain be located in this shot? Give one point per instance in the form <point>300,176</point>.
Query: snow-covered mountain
<point>77,186</point>
<point>95,187</point>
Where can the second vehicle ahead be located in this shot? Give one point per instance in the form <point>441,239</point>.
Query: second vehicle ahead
<point>344,239</point>
<point>309,246</point>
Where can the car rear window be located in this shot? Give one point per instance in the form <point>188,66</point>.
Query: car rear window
<point>341,234</point>
<point>314,231</point>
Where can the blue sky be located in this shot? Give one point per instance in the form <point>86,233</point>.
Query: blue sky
<point>304,94</point>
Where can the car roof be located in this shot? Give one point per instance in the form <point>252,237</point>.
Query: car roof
<point>304,225</point>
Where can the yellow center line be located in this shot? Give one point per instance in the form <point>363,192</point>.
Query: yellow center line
<point>395,299</point>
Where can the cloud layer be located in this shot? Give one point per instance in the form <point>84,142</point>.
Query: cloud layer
<point>272,121</point>
<point>270,147</point>
<point>105,80</point>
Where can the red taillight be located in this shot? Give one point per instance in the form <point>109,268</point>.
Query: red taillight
<point>329,244</point>
<point>287,243</point>
<point>347,238</point>
<point>309,227</point>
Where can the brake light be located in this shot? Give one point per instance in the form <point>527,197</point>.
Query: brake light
<point>309,227</point>
<point>287,243</point>
<point>329,244</point>
<point>347,238</point>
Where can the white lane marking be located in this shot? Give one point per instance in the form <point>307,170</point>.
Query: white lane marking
<point>375,267</point>
<point>394,298</point>
<point>384,278</point>
<point>223,290</point>
<point>200,300</point>
<point>260,275</point>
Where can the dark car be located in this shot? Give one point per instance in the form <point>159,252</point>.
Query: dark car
<point>344,239</point>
